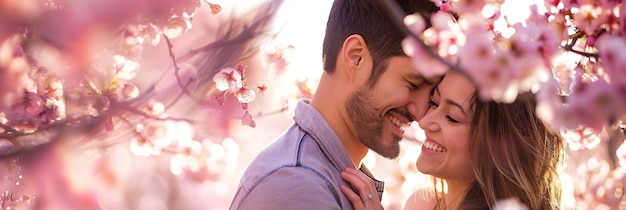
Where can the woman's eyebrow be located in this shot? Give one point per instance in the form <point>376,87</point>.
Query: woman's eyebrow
<point>451,102</point>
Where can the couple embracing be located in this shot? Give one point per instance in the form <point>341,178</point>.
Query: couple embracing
<point>484,151</point>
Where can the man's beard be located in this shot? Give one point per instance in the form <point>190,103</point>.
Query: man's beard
<point>363,113</point>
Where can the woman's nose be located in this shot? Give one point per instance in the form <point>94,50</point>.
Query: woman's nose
<point>428,122</point>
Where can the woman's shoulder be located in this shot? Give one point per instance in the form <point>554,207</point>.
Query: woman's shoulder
<point>423,198</point>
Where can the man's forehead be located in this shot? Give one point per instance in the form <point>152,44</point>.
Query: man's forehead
<point>433,80</point>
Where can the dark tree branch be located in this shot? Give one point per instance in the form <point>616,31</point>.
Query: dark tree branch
<point>179,79</point>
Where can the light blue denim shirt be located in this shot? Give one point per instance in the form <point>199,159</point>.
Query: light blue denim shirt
<point>300,170</point>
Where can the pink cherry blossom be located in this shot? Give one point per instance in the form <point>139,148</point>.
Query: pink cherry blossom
<point>415,23</point>
<point>13,70</point>
<point>475,53</point>
<point>53,88</point>
<point>581,138</point>
<point>546,38</point>
<point>276,56</point>
<point>176,26</point>
<point>424,63</point>
<point>155,109</point>
<point>492,69</point>
<point>621,154</point>
<point>445,6</point>
<point>147,33</point>
<point>205,161</point>
<point>154,136</point>
<point>124,68</point>
<point>463,7</point>
<point>443,37</point>
<point>570,3</point>
<point>621,21</point>
<point>142,147</point>
<point>228,79</point>
<point>549,104</point>
<point>245,95</point>
<point>589,18</point>
<point>594,102</point>
<point>215,8</point>
<point>559,23</point>
<point>608,3</point>
<point>613,57</point>
<point>495,78</point>
<point>444,22</point>
<point>247,119</point>
<point>129,91</point>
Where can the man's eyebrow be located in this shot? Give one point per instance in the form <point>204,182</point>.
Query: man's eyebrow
<point>419,77</point>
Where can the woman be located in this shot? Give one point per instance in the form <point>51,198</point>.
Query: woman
<point>483,150</point>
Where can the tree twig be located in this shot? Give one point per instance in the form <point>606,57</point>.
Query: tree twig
<point>179,79</point>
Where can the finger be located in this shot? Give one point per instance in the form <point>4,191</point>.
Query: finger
<point>354,198</point>
<point>358,174</point>
<point>358,185</point>
<point>361,182</point>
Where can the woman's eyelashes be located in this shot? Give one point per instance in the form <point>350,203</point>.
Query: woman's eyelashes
<point>413,86</point>
<point>449,118</point>
<point>433,103</point>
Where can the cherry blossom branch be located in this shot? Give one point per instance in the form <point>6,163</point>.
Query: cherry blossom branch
<point>110,141</point>
<point>395,13</point>
<point>570,46</point>
<point>82,124</point>
<point>11,136</point>
<point>574,37</point>
<point>586,54</point>
<point>179,79</point>
<point>180,95</point>
<point>8,129</point>
<point>86,124</point>
<point>143,114</point>
<point>248,33</point>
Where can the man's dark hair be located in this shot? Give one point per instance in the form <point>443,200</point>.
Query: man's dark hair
<point>369,19</point>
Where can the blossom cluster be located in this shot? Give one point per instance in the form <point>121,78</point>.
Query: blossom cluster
<point>71,71</point>
<point>565,46</point>
<point>233,81</point>
<point>569,53</point>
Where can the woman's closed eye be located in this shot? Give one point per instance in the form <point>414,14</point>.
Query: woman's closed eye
<point>433,103</point>
<point>414,86</point>
<point>449,118</point>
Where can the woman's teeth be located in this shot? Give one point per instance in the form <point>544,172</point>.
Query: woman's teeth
<point>434,147</point>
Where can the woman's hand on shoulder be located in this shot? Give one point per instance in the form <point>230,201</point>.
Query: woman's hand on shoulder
<point>366,196</point>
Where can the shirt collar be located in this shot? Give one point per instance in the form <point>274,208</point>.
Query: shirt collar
<point>312,122</point>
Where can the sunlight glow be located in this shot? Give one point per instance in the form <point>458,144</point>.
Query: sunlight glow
<point>516,12</point>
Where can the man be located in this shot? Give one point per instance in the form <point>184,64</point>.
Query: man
<point>362,102</point>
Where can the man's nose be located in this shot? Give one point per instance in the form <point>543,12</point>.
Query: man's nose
<point>417,107</point>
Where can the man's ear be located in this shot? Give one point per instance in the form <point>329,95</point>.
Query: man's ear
<point>354,55</point>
